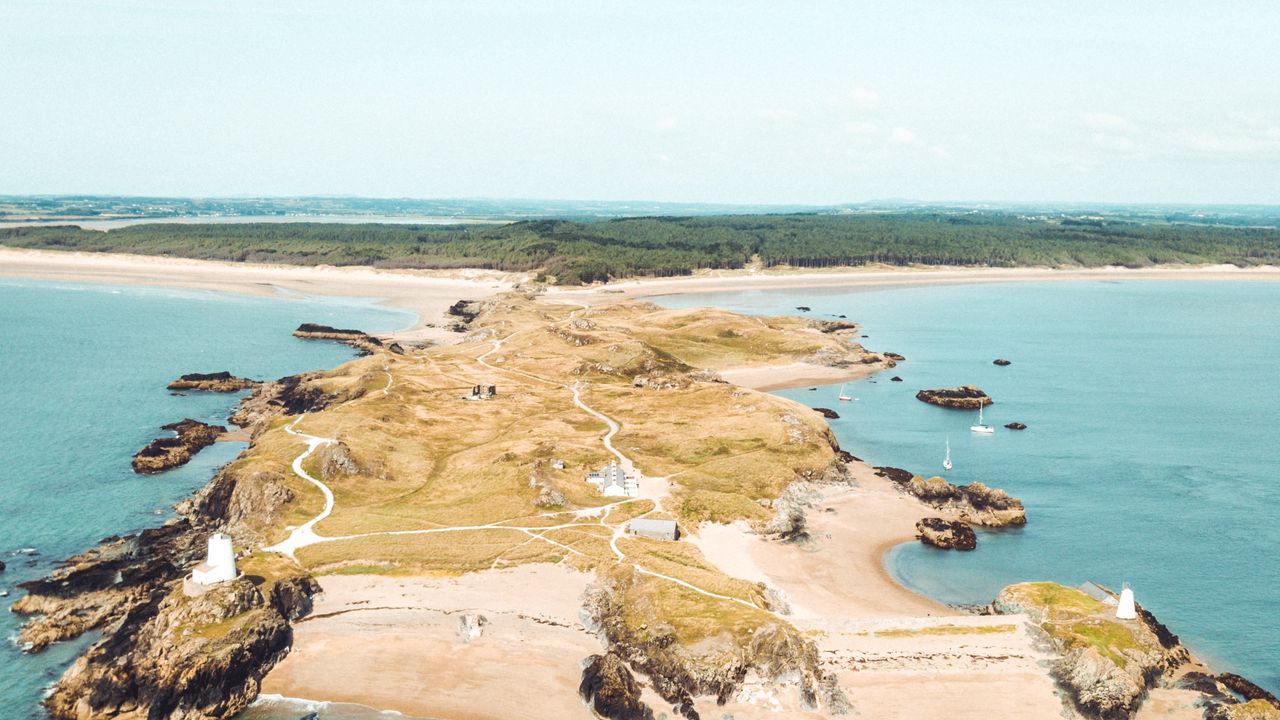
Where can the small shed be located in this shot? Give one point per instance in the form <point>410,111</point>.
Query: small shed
<point>654,529</point>
<point>1097,592</point>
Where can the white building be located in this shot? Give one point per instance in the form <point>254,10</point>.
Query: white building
<point>654,529</point>
<point>612,481</point>
<point>220,565</point>
<point>1126,610</point>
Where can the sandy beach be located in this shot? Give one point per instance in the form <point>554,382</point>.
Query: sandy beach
<point>428,294</point>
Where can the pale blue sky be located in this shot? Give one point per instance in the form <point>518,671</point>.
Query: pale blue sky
<point>810,102</point>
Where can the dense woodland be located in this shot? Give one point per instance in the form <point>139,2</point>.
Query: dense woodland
<point>579,252</point>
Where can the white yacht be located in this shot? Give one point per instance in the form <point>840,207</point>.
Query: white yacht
<point>946,461</point>
<point>982,427</point>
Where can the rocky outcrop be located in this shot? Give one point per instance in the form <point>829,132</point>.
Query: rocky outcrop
<point>1246,688</point>
<point>1105,665</point>
<point>1001,362</point>
<point>827,413</point>
<point>833,326</point>
<point>162,660</point>
<point>895,378</point>
<point>611,690</point>
<point>212,382</point>
<point>1016,426</point>
<point>774,654</point>
<point>894,356</point>
<point>975,503</point>
<point>358,339</point>
<point>946,534</point>
<point>965,397</point>
<point>170,452</point>
<point>290,395</point>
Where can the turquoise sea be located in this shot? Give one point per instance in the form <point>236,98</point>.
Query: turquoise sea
<point>1150,458</point>
<point>83,369</point>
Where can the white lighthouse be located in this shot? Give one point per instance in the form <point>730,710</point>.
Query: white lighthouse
<point>1125,610</point>
<point>220,565</point>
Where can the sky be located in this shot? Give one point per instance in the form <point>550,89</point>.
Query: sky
<point>743,102</point>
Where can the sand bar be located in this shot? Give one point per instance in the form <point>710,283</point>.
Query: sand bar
<point>426,293</point>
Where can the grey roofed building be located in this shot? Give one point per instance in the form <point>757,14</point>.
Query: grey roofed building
<point>1097,592</point>
<point>654,529</point>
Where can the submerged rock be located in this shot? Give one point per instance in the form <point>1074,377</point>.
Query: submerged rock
<point>612,691</point>
<point>965,397</point>
<point>1001,362</point>
<point>212,382</point>
<point>170,452</point>
<point>946,534</point>
<point>1016,426</point>
<point>895,378</point>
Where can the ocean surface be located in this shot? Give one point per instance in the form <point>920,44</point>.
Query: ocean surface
<point>83,369</point>
<point>1153,413</point>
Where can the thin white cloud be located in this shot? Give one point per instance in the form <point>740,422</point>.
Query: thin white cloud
<point>902,136</point>
<point>1103,120</point>
<point>861,127</point>
<point>777,114</point>
<point>864,97</point>
<point>666,123</point>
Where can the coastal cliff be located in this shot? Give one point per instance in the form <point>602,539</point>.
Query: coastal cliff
<point>1106,665</point>
<point>161,454</point>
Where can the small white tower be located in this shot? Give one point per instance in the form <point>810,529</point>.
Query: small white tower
<point>220,565</point>
<point>1125,610</point>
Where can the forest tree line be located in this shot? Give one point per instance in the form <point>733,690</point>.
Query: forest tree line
<point>571,252</point>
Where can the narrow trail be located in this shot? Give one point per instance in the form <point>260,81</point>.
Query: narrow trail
<point>305,534</point>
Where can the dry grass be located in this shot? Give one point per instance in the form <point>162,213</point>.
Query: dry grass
<point>948,630</point>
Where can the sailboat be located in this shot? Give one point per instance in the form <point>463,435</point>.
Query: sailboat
<point>982,427</point>
<point>844,396</point>
<point>946,461</point>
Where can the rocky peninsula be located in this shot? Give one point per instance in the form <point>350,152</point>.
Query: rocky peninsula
<point>191,436</point>
<point>212,382</point>
<point>365,343</point>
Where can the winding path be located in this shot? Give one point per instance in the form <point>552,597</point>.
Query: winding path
<point>305,535</point>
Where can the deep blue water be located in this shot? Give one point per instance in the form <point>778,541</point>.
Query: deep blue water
<point>1154,431</point>
<point>83,370</point>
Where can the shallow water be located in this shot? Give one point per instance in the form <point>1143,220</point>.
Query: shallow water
<point>1149,458</point>
<point>83,370</point>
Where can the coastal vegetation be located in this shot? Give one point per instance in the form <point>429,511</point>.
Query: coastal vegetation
<point>572,252</point>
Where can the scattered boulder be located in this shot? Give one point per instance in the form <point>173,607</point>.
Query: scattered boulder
<point>946,534</point>
<point>1016,426</point>
<point>895,378</point>
<point>828,413</point>
<point>612,691</point>
<point>965,397</point>
<point>212,382</point>
<point>804,308</point>
<point>1001,362</point>
<point>170,452</point>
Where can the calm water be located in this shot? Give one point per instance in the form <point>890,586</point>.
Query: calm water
<point>82,376</point>
<point>1154,431</point>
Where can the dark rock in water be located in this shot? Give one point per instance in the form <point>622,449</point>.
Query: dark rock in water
<point>947,535</point>
<point>1016,426</point>
<point>842,317</point>
<point>1199,682</point>
<point>1246,689</point>
<point>357,339</point>
<point>311,716</point>
<point>894,356</point>
<point>846,456</point>
<point>608,685</point>
<point>803,308</point>
<point>1,566</point>
<point>965,397</point>
<point>164,453</point>
<point>897,475</point>
<point>828,413</point>
<point>812,389</point>
<point>895,378</point>
<point>212,382</point>
<point>1001,361</point>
